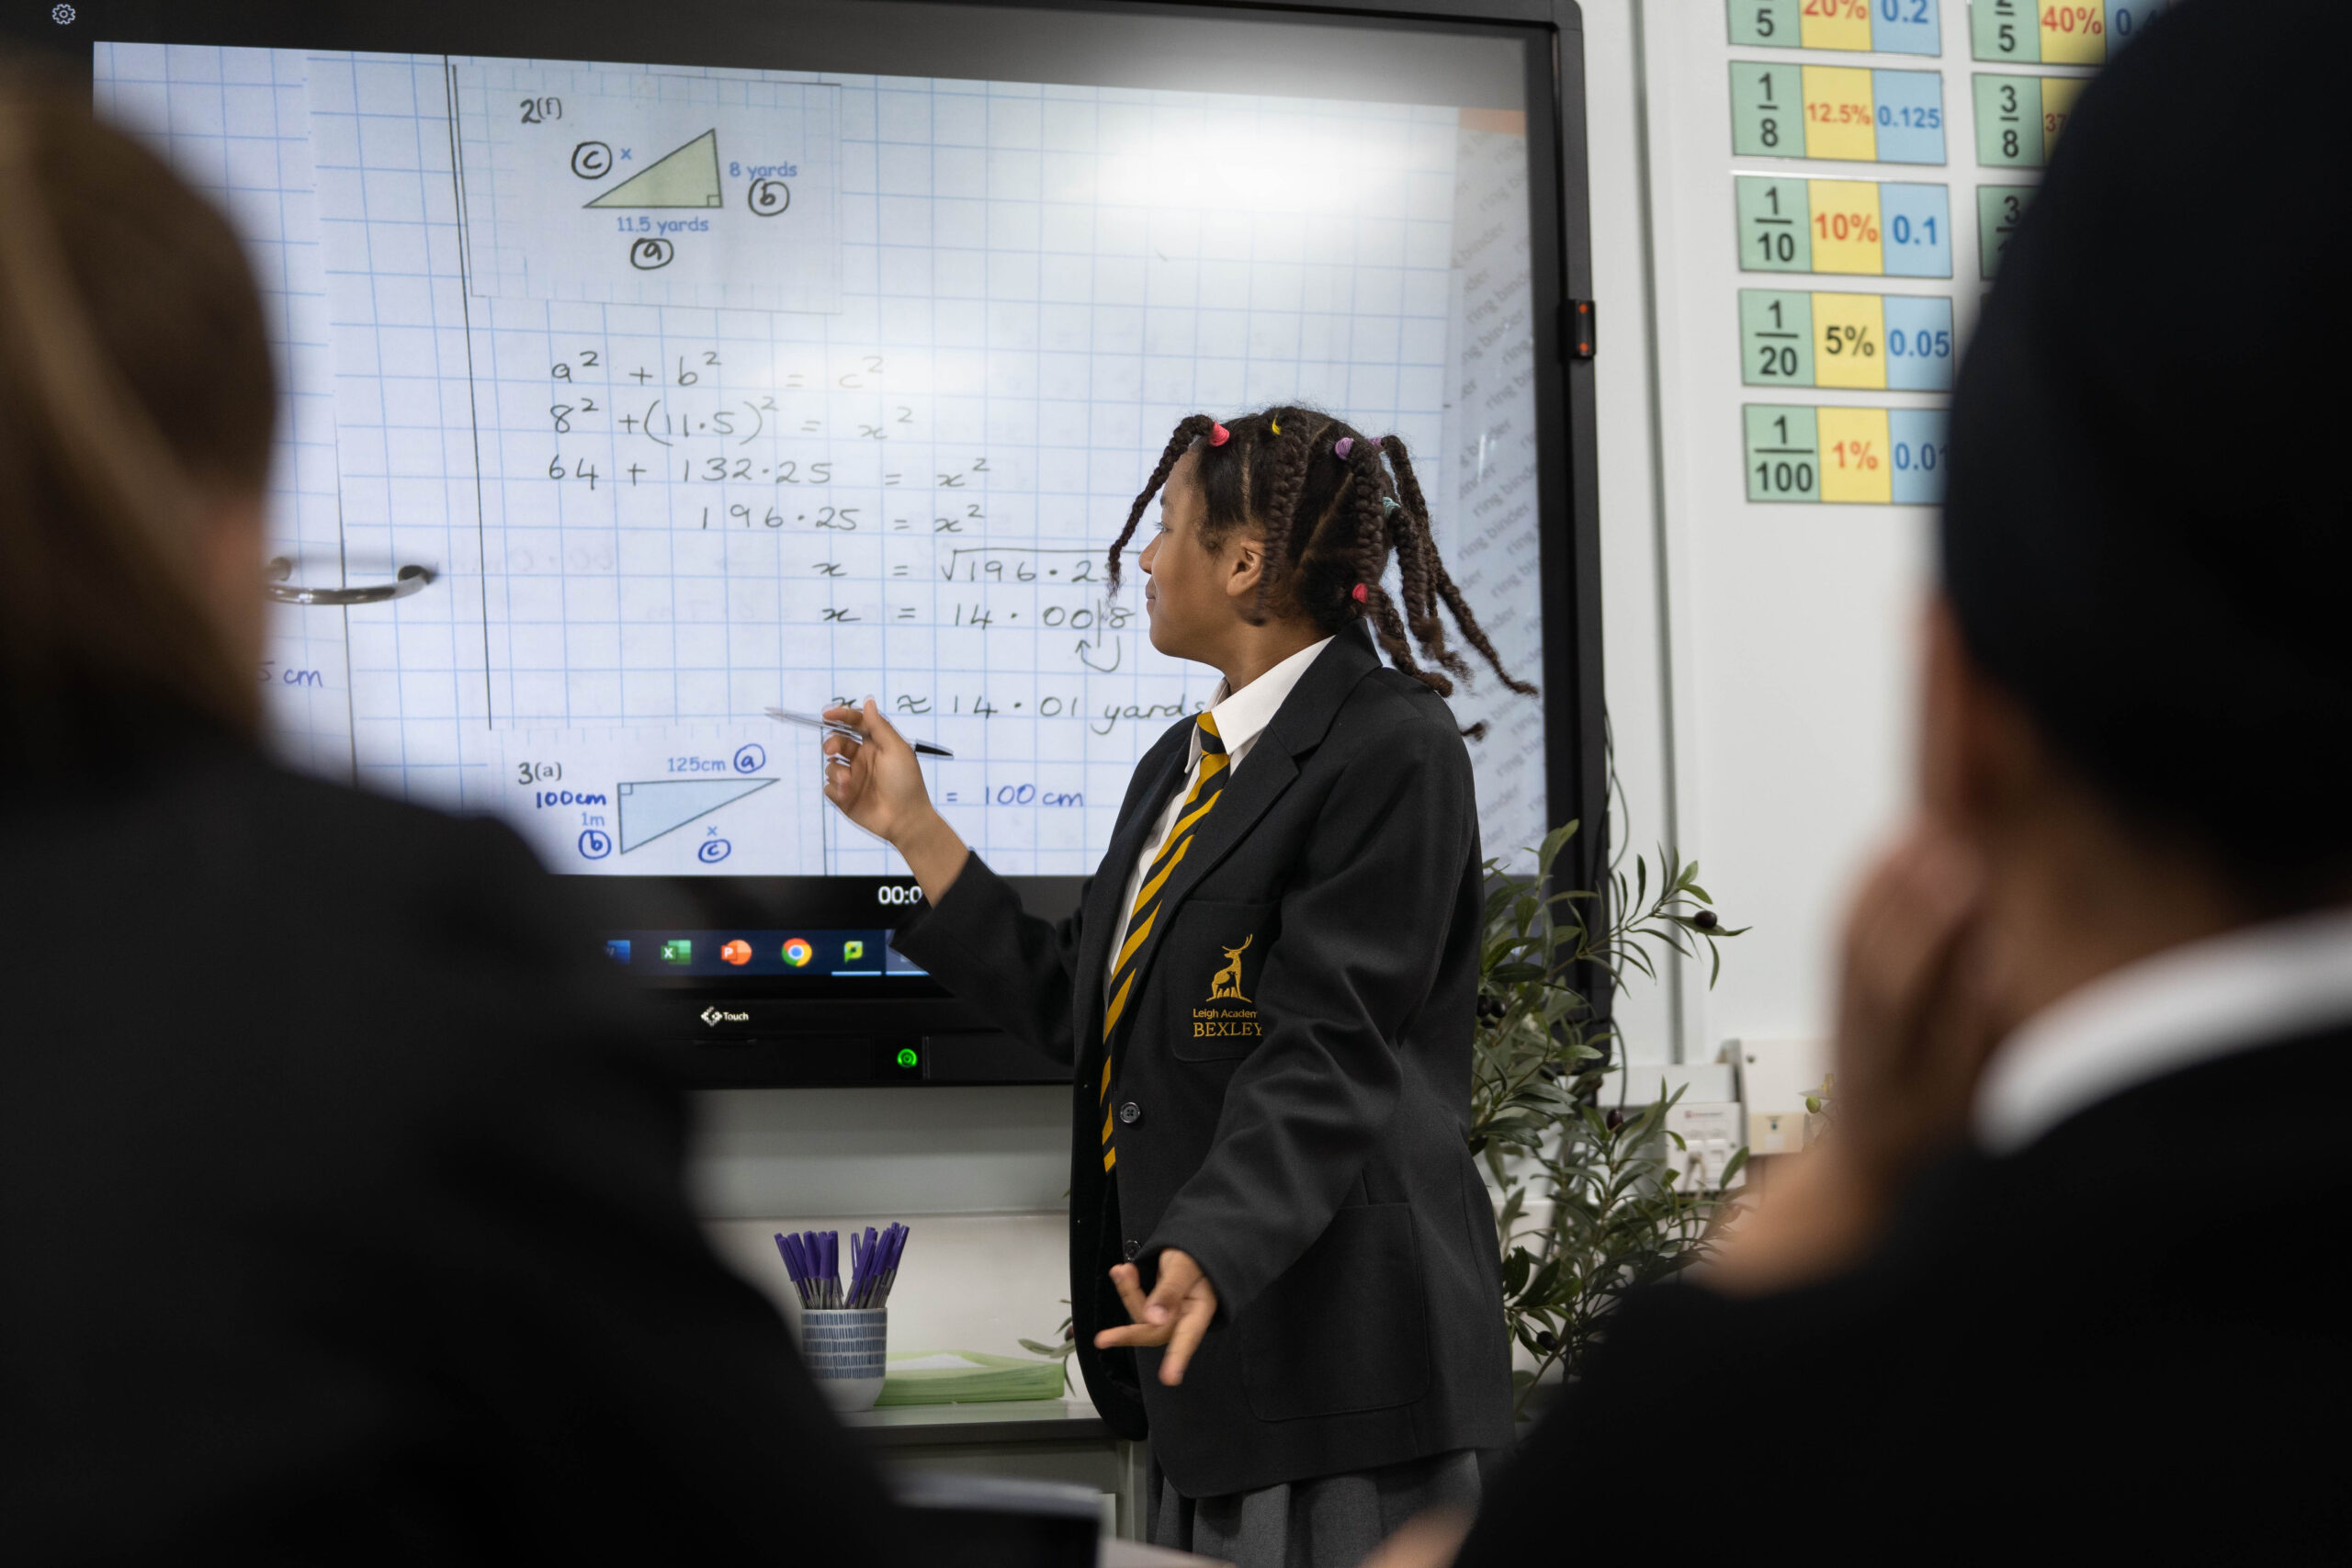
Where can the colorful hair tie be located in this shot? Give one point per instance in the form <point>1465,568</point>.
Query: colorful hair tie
<point>1342,446</point>
<point>1274,423</point>
<point>1388,505</point>
<point>1361,594</point>
<point>1218,434</point>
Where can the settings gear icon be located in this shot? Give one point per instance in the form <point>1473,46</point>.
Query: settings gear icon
<point>61,14</point>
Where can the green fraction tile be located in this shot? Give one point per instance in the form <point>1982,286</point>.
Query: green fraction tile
<point>1783,455</point>
<point>2008,122</point>
<point>1767,24</point>
<point>1999,208</point>
<point>1774,225</point>
<point>2004,29</point>
<point>2018,117</point>
<point>1767,110</point>
<point>1775,337</point>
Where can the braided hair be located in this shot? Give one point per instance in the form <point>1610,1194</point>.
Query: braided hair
<point>1331,520</point>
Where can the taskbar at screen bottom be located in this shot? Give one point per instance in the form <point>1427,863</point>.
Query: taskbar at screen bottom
<point>656,955</point>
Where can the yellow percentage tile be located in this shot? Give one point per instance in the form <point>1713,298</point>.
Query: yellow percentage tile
<point>1849,341</point>
<point>1845,226</point>
<point>1854,452</point>
<point>2058,95</point>
<point>2074,34</point>
<point>1840,113</point>
<point>1835,23</point>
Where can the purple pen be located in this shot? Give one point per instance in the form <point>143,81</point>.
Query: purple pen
<point>797,1259</point>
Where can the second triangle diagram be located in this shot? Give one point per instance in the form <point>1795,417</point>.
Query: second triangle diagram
<point>685,176</point>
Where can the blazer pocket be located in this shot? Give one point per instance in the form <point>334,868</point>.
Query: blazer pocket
<point>1207,973</point>
<point>1347,1327</point>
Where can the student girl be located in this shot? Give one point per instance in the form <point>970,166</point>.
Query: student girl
<point>1282,1259</point>
<point>343,1213</point>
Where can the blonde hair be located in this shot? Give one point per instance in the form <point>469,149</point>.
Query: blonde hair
<point>135,389</point>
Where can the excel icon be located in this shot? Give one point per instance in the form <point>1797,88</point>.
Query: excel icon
<point>678,950</point>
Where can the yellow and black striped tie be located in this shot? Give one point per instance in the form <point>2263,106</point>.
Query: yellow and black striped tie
<point>1205,790</point>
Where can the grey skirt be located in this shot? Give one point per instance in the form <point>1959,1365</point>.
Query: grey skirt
<point>1329,1522</point>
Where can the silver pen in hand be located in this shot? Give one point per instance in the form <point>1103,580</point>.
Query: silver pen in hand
<point>834,726</point>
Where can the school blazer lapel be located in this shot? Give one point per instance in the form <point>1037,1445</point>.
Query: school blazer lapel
<point>1161,769</point>
<point>1297,728</point>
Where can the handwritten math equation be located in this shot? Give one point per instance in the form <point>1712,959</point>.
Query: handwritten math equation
<point>748,484</point>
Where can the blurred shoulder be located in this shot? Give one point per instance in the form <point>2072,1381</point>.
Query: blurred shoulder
<point>316,840</point>
<point>446,924</point>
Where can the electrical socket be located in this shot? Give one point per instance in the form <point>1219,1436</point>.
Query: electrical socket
<point>1710,1135</point>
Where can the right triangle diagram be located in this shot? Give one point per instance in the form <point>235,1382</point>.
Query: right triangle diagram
<point>651,808</point>
<point>686,178</point>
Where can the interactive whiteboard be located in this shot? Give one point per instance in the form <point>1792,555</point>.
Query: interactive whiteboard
<point>682,393</point>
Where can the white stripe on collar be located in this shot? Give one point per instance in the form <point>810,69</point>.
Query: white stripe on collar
<point>2191,1004</point>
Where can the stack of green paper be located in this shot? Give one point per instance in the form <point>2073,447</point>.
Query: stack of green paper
<point>966,1377</point>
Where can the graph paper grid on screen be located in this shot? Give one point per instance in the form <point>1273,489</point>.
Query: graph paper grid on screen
<point>703,392</point>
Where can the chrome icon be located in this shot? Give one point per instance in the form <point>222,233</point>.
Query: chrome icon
<point>797,952</point>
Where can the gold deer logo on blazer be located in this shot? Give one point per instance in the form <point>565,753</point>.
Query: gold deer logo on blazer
<point>1226,987</point>
<point>1227,1014</point>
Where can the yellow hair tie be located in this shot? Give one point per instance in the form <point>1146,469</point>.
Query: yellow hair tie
<point>1276,425</point>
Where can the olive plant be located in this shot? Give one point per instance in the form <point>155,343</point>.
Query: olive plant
<point>1590,1205</point>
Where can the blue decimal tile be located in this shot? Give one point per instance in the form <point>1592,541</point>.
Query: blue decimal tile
<point>1915,226</point>
<point>1918,344</point>
<point>1917,437</point>
<point>1906,27</point>
<point>1910,116</point>
<point>2127,19</point>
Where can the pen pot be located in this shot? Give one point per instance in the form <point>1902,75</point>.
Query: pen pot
<point>843,1347</point>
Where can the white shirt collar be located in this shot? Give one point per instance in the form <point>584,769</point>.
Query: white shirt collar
<point>1241,716</point>
<point>2190,1004</point>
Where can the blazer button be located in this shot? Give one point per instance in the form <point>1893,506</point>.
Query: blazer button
<point>1129,1250</point>
<point>1130,1113</point>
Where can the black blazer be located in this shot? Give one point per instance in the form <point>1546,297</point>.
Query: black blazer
<point>341,1212</point>
<point>2129,1335</point>
<point>1305,1140</point>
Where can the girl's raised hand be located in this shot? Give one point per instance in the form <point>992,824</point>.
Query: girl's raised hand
<point>878,783</point>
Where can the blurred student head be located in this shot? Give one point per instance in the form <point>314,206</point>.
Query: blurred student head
<point>2147,547</point>
<point>136,406</point>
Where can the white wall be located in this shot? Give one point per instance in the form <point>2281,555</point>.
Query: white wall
<point>1636,615</point>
